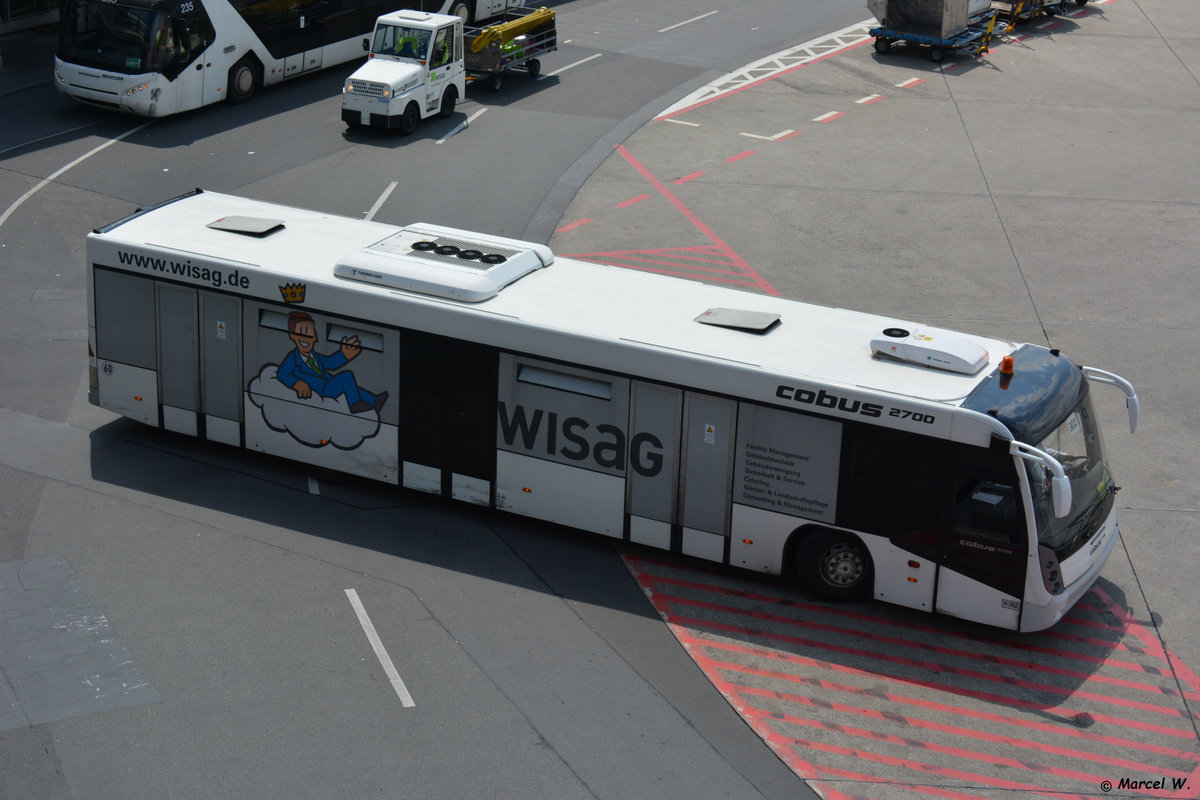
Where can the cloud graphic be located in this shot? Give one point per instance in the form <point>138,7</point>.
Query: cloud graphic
<point>315,422</point>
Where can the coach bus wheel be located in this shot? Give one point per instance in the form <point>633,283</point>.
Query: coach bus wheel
<point>243,80</point>
<point>835,565</point>
<point>882,44</point>
<point>409,119</point>
<point>462,11</point>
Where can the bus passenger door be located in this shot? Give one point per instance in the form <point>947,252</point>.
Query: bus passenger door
<point>984,552</point>
<point>707,479</point>
<point>178,361</point>
<point>221,367</point>
<point>652,475</point>
<point>199,346</point>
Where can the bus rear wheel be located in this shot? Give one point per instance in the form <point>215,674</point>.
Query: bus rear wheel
<point>244,80</point>
<point>835,566</point>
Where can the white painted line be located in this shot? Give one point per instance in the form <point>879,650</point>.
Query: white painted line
<point>829,116</point>
<point>382,199</point>
<point>686,22</point>
<point>871,98</point>
<point>462,126</point>
<point>910,82</point>
<point>572,65</point>
<point>682,122</point>
<point>313,486</point>
<point>9,212</point>
<point>384,659</point>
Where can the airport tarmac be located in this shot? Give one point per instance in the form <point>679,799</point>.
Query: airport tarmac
<point>1047,192</point>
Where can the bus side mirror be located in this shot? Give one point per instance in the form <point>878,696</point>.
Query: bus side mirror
<point>1060,486</point>
<point>1131,399</point>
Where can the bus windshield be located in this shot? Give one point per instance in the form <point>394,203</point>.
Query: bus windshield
<point>1079,447</point>
<point>131,38</point>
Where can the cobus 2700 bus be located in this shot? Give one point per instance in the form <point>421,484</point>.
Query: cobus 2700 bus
<point>160,57</point>
<point>865,456</point>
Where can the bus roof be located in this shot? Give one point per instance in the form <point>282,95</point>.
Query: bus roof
<point>810,342</point>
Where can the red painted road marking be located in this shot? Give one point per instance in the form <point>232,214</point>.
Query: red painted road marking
<point>783,137</point>
<point>754,640</point>
<point>577,224</point>
<point>718,253</point>
<point>687,178</point>
<point>871,98</point>
<point>911,82</point>
<point>1058,633</point>
<point>739,156</point>
<point>830,116</point>
<point>634,200</point>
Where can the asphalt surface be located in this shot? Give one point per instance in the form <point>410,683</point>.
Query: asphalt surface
<point>1047,192</point>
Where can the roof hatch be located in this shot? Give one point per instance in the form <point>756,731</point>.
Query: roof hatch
<point>250,226</point>
<point>930,347</point>
<point>739,319</point>
<point>444,262</point>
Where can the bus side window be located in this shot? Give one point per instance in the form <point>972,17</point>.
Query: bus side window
<point>989,512</point>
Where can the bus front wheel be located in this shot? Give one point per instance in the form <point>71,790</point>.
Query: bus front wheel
<point>244,80</point>
<point>835,566</point>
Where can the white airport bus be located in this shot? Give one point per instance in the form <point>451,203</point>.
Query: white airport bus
<point>160,57</point>
<point>863,455</point>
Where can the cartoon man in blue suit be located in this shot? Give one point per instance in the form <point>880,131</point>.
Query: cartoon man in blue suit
<point>308,372</point>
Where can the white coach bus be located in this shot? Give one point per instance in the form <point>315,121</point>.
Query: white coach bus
<point>863,455</point>
<point>160,57</point>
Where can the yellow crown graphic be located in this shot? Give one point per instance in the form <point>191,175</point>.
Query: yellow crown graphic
<point>293,292</point>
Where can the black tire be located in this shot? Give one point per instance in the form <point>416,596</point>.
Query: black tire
<point>937,55</point>
<point>409,119</point>
<point>534,67</point>
<point>449,101</point>
<point>495,81</point>
<point>835,566</point>
<point>882,44</point>
<point>245,79</point>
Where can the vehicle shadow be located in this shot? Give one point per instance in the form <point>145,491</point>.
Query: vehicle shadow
<point>362,513</point>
